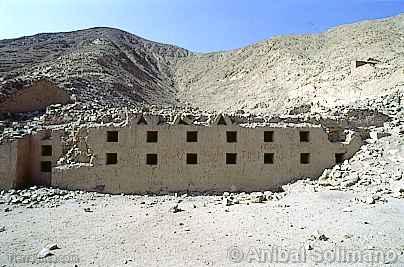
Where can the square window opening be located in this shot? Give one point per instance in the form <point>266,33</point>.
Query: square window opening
<point>152,137</point>
<point>112,136</point>
<point>231,158</point>
<point>339,158</point>
<point>46,166</point>
<point>231,137</point>
<point>304,136</point>
<point>305,158</point>
<point>268,158</point>
<point>268,136</point>
<point>46,150</point>
<point>192,158</point>
<point>151,159</point>
<point>111,158</point>
<point>192,136</point>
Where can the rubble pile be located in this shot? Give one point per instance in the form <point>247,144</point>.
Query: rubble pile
<point>35,197</point>
<point>230,199</point>
<point>376,171</point>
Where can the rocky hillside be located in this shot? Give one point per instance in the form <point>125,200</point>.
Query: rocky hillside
<point>281,75</point>
<point>287,72</point>
<point>98,64</point>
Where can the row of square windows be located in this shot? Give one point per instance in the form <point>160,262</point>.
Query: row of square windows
<point>231,158</point>
<point>192,158</point>
<point>192,136</point>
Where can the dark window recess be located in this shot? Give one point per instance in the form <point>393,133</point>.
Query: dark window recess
<point>46,166</point>
<point>268,136</point>
<point>152,137</point>
<point>339,158</point>
<point>192,136</point>
<point>231,137</point>
<point>151,159</point>
<point>305,158</point>
<point>268,158</point>
<point>112,136</point>
<point>46,150</point>
<point>192,158</point>
<point>304,136</point>
<point>231,158</point>
<point>111,158</point>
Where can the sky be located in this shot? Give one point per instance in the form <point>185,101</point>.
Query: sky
<point>198,25</point>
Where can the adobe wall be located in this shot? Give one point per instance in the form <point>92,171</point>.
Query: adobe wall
<point>172,173</point>
<point>14,163</point>
<point>20,160</point>
<point>8,161</point>
<point>41,94</point>
<point>46,137</point>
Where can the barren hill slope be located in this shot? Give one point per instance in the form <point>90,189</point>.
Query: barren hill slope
<point>102,64</point>
<point>110,66</point>
<point>289,71</point>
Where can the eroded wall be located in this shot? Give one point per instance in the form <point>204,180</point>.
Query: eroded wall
<point>131,174</point>
<point>21,159</point>
<point>41,94</point>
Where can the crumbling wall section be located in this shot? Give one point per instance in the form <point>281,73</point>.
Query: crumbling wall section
<point>131,173</point>
<point>38,96</point>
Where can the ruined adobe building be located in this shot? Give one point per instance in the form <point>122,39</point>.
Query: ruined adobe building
<point>148,154</point>
<point>27,96</point>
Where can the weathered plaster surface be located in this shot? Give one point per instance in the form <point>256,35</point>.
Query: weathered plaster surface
<point>172,173</point>
<point>86,169</point>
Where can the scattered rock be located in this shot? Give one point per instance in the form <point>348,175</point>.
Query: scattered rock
<point>52,246</point>
<point>227,201</point>
<point>319,236</point>
<point>369,200</point>
<point>322,237</point>
<point>351,181</point>
<point>45,252</point>
<point>309,247</point>
<point>175,209</point>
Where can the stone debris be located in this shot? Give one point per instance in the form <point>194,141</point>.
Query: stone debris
<point>34,197</point>
<point>2,229</point>
<point>45,252</point>
<point>375,171</point>
<point>175,209</point>
<point>318,236</point>
<point>230,199</point>
<point>309,247</point>
<point>53,246</point>
<point>87,210</point>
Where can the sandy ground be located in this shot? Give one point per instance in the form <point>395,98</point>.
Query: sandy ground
<point>141,231</point>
